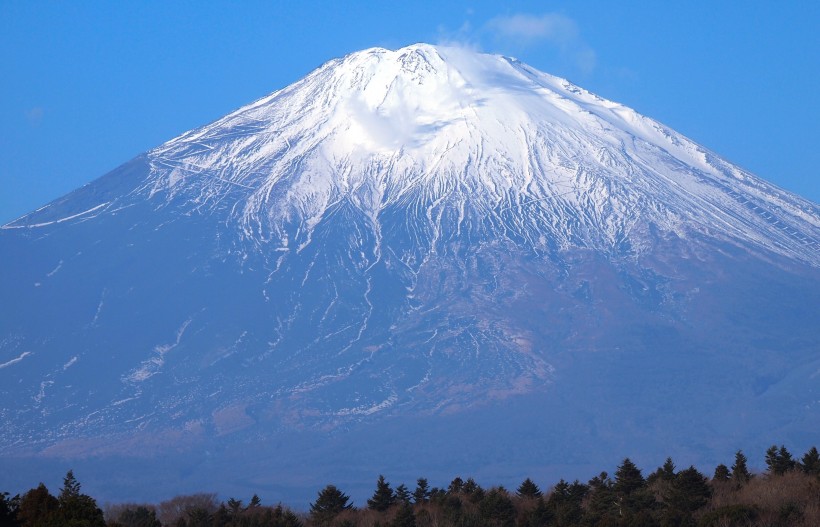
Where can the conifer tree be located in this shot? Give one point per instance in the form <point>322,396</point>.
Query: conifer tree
<point>601,505</point>
<point>383,497</point>
<point>689,491</point>
<point>497,508</point>
<point>404,516</point>
<point>779,460</point>
<point>473,490</point>
<point>422,492</point>
<point>471,487</point>
<point>278,517</point>
<point>787,462</point>
<point>631,491</point>
<point>455,486</point>
<point>740,472</point>
<point>528,489</point>
<point>402,494</point>
<point>540,515</point>
<point>667,471</point>
<point>564,502</point>
<point>329,503</point>
<point>628,478</point>
<point>810,464</point>
<point>255,502</point>
<point>234,506</point>
<point>721,473</point>
<point>71,487</point>
<point>77,509</point>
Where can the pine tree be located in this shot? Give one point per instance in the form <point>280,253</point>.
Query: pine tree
<point>632,493</point>
<point>810,464</point>
<point>540,515</point>
<point>564,502</point>
<point>404,516</point>
<point>667,471</point>
<point>71,487</point>
<point>740,473</point>
<point>689,491</point>
<point>78,509</point>
<point>470,487</point>
<point>255,502</point>
<point>422,492</point>
<point>276,517</point>
<point>528,489</point>
<point>771,458</point>
<point>234,506</point>
<point>628,478</point>
<point>329,503</point>
<point>455,486</point>
<point>383,497</point>
<point>601,507</point>
<point>779,460</point>
<point>785,460</point>
<point>402,494</point>
<point>721,473</point>
<point>497,508</point>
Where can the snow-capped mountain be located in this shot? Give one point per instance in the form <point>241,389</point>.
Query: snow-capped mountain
<point>402,250</point>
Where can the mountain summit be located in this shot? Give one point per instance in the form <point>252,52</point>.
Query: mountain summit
<point>418,258</point>
<point>446,129</point>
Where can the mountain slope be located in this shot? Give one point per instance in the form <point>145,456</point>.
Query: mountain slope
<point>429,240</point>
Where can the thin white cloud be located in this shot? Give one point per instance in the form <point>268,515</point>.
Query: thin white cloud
<point>585,58</point>
<point>527,30</point>
<point>464,36</point>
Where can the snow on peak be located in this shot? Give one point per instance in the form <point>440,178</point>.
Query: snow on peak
<point>446,132</point>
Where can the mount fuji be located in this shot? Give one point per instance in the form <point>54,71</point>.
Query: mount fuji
<point>421,262</point>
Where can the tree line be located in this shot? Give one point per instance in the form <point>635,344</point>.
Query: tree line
<point>786,494</point>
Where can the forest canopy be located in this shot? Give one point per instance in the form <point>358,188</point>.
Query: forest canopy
<point>786,494</point>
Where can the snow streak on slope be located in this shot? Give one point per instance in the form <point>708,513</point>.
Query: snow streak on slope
<point>504,148</point>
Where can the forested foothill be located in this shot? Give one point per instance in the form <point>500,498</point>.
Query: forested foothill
<point>786,494</point>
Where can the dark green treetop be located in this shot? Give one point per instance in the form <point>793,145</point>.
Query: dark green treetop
<point>810,464</point>
<point>383,496</point>
<point>422,492</point>
<point>740,472</point>
<point>404,516</point>
<point>779,460</point>
<point>329,503</point>
<point>628,478</point>
<point>528,489</point>
<point>721,473</point>
<point>402,494</point>
<point>78,509</point>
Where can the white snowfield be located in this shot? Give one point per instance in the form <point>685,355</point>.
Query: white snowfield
<point>448,132</point>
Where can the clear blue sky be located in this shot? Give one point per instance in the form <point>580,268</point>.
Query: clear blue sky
<point>88,85</point>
